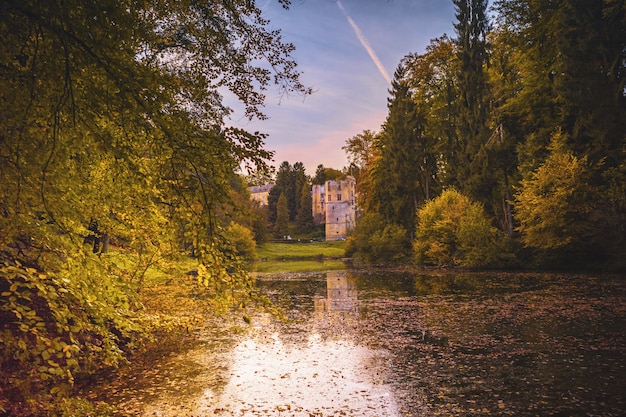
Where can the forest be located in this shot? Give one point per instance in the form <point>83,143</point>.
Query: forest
<point>504,147</point>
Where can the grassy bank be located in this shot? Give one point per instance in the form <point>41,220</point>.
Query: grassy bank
<point>300,257</point>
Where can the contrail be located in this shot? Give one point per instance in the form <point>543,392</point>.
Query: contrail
<point>365,44</point>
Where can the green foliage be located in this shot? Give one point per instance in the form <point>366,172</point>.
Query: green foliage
<point>398,174</point>
<point>391,244</point>
<point>554,205</point>
<point>242,239</point>
<point>56,326</point>
<point>453,231</point>
<point>375,241</point>
<point>112,114</point>
<point>281,228</point>
<point>323,174</point>
<point>75,407</point>
<point>304,219</point>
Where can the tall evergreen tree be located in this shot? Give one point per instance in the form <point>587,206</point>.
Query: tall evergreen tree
<point>433,78</point>
<point>300,181</point>
<point>320,175</point>
<point>472,168</point>
<point>304,218</point>
<point>398,173</point>
<point>281,228</point>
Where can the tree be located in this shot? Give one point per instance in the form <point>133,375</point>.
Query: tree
<point>473,169</point>
<point>399,177</point>
<point>301,181</point>
<point>555,204</point>
<point>242,240</point>
<point>289,181</point>
<point>320,175</point>
<point>284,185</point>
<point>323,174</point>
<point>570,60</point>
<point>454,231</point>
<point>281,227</point>
<point>304,219</point>
<point>360,152</point>
<point>112,112</point>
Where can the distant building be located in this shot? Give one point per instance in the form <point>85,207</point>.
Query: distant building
<point>334,204</point>
<point>260,193</point>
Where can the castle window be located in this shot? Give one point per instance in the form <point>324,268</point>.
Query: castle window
<point>338,197</point>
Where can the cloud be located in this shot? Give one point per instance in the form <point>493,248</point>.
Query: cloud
<point>361,37</point>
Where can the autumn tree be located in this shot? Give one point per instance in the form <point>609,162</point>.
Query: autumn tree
<point>454,231</point>
<point>359,150</point>
<point>112,115</point>
<point>570,57</point>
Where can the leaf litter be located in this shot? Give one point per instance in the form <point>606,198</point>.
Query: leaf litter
<point>400,345</point>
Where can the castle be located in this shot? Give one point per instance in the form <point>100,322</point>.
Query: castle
<point>334,204</point>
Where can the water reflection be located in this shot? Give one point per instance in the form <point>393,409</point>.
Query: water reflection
<point>309,366</point>
<point>391,344</point>
<point>336,310</point>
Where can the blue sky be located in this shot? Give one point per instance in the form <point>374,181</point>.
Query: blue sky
<point>346,50</point>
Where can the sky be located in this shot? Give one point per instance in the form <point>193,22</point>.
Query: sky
<point>347,52</point>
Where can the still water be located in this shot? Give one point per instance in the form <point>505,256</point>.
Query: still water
<point>397,344</point>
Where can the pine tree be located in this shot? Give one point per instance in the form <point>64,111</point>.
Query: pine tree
<point>472,167</point>
<point>399,174</point>
<point>281,227</point>
<point>304,219</point>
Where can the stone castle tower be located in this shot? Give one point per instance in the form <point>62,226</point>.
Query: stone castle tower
<point>334,204</point>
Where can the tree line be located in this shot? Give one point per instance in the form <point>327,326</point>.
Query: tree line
<point>517,122</point>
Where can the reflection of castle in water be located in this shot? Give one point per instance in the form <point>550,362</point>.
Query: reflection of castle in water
<point>339,306</point>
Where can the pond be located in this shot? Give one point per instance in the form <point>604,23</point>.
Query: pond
<point>399,344</point>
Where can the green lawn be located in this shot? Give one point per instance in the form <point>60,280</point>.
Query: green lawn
<point>300,257</point>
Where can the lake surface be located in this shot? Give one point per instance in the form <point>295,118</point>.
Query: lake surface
<point>398,344</point>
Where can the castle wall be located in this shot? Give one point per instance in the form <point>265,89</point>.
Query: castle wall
<point>318,197</point>
<point>340,208</point>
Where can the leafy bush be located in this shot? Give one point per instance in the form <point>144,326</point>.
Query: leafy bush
<point>242,239</point>
<point>453,231</point>
<point>56,325</point>
<point>389,244</point>
<point>374,240</point>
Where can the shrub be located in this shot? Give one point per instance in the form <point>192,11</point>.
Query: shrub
<point>453,231</point>
<point>242,239</point>
<point>374,240</point>
<point>389,244</point>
